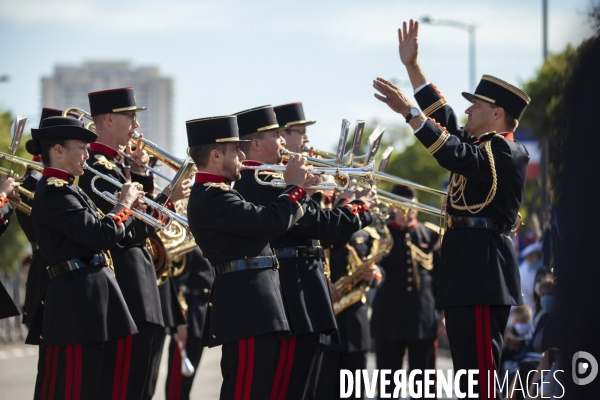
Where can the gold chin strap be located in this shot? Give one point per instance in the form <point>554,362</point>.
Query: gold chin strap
<point>458,183</point>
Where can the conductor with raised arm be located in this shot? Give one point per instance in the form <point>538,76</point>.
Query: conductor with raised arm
<point>479,275</point>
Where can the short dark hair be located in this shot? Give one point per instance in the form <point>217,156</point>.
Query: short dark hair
<point>510,121</point>
<point>42,148</point>
<point>200,154</point>
<point>245,146</point>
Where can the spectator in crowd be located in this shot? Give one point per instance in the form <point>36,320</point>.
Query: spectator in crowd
<point>532,261</point>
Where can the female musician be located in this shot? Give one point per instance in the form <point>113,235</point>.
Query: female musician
<point>7,185</point>
<point>83,313</point>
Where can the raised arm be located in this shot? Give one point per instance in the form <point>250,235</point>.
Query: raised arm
<point>409,51</point>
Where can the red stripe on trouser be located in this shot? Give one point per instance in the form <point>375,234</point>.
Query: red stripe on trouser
<point>54,371</point>
<point>288,368</point>
<point>127,361</point>
<point>77,383</point>
<point>479,335</point>
<point>175,383</point>
<point>239,382</point>
<point>249,369</point>
<point>279,371</point>
<point>118,365</point>
<point>69,374</point>
<point>47,371</point>
<point>488,352</point>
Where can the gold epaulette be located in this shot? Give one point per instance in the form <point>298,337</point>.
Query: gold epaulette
<point>223,186</point>
<point>102,160</point>
<point>56,182</point>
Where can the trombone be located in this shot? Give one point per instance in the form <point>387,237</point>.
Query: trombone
<point>167,216</point>
<point>341,175</point>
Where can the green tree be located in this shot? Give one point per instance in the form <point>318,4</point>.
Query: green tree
<point>13,243</point>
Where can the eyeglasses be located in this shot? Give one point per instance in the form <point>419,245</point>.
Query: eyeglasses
<point>132,115</point>
<point>300,131</point>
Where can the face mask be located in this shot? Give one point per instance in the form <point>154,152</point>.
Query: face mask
<point>538,265</point>
<point>548,303</point>
<point>522,328</point>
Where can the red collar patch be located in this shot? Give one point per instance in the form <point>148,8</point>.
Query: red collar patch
<point>203,177</point>
<point>106,150</point>
<point>37,158</point>
<point>58,173</point>
<point>404,228</point>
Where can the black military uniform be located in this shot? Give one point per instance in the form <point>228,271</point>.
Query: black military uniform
<point>246,310</point>
<point>83,314</point>
<point>194,284</point>
<point>404,315</point>
<point>349,348</point>
<point>37,277</point>
<point>134,268</point>
<point>305,287</point>
<point>479,276</point>
<point>7,306</point>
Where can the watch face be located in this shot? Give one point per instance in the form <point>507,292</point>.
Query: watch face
<point>414,111</point>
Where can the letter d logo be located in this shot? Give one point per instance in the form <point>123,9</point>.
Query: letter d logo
<point>581,367</point>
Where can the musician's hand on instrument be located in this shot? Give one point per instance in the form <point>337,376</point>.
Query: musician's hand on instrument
<point>371,273</point>
<point>7,186</point>
<point>130,192</point>
<point>369,196</point>
<point>296,171</point>
<point>408,43</point>
<point>392,96</point>
<point>140,204</point>
<point>335,293</point>
<point>312,180</point>
<point>139,155</point>
<point>182,192</point>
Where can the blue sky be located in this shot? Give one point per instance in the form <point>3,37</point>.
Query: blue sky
<point>227,56</point>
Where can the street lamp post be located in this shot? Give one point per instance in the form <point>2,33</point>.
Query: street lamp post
<point>470,28</point>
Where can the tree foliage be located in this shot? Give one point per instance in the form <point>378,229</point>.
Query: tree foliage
<point>13,243</point>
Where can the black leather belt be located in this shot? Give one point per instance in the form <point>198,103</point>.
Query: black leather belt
<point>454,222</point>
<point>245,264</point>
<point>300,251</point>
<point>76,263</point>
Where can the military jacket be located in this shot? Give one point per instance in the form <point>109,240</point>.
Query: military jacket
<point>37,277</point>
<point>195,283</point>
<point>134,267</point>
<point>7,306</point>
<point>85,305</point>
<point>171,308</point>
<point>353,323</point>
<point>304,284</point>
<point>479,266</point>
<point>404,305</point>
<point>226,227</point>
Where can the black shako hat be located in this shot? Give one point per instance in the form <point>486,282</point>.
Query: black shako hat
<point>113,101</point>
<point>404,191</point>
<point>49,112</point>
<point>63,128</point>
<point>257,119</point>
<point>291,114</point>
<point>502,94</point>
<point>213,130</point>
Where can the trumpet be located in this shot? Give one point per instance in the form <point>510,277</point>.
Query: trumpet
<point>167,216</point>
<point>153,149</point>
<point>342,175</point>
<point>74,111</point>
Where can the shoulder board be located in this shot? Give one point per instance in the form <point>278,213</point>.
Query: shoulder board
<point>223,186</point>
<point>432,227</point>
<point>57,182</point>
<point>102,160</point>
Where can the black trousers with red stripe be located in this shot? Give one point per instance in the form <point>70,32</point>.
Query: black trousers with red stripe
<point>476,334</point>
<point>178,387</point>
<point>296,358</point>
<point>248,367</point>
<point>76,372</point>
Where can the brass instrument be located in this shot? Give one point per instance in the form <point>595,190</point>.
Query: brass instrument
<point>167,216</point>
<point>162,155</point>
<point>348,285</point>
<point>174,243</point>
<point>80,114</point>
<point>341,174</point>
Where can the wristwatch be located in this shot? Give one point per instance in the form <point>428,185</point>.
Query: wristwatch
<point>413,112</point>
